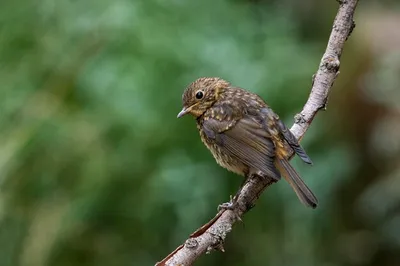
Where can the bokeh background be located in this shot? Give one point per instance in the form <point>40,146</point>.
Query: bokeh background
<point>95,169</point>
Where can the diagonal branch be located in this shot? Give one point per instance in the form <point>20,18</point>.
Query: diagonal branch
<point>212,235</point>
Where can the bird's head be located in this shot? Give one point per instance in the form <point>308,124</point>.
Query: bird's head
<point>201,95</point>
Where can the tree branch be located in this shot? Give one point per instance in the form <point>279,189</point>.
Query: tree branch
<point>212,235</point>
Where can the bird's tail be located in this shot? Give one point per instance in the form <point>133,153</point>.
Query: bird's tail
<point>304,194</point>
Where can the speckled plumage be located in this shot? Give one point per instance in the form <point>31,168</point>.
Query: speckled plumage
<point>243,133</point>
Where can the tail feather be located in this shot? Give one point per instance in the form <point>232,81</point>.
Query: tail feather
<point>305,195</point>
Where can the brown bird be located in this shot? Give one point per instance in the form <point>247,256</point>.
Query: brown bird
<point>243,133</point>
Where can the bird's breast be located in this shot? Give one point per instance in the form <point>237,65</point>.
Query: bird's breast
<point>221,156</point>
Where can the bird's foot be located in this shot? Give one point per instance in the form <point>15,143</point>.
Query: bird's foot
<point>232,206</point>
<point>228,205</point>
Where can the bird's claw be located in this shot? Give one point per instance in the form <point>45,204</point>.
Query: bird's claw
<point>232,206</point>
<point>228,205</point>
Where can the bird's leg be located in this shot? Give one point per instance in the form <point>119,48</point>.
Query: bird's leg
<point>231,205</point>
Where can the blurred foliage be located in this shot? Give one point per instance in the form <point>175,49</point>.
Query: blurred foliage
<point>95,169</point>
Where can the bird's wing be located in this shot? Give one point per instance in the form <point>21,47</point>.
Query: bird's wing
<point>293,142</point>
<point>246,140</point>
<point>286,134</point>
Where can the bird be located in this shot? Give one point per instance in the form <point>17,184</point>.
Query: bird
<point>244,134</point>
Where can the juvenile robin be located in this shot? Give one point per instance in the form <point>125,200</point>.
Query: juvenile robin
<point>243,133</point>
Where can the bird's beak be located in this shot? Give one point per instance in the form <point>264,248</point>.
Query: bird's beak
<point>183,112</point>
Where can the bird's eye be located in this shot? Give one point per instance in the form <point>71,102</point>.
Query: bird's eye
<point>199,95</point>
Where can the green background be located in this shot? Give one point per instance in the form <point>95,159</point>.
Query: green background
<point>95,168</point>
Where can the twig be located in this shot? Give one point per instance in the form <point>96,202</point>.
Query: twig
<point>212,235</point>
